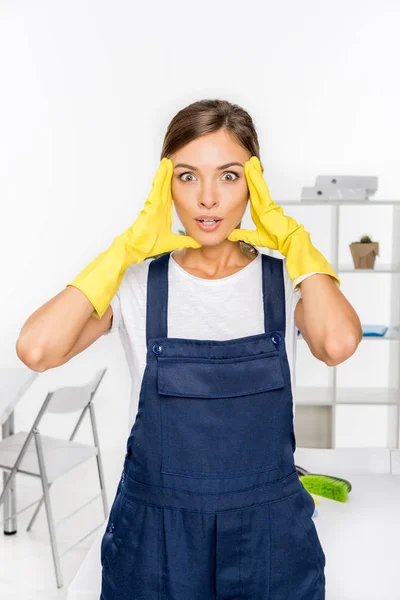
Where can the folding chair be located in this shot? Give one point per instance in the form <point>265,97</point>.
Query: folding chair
<point>49,457</point>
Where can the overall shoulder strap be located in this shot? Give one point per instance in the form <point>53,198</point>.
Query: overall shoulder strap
<point>157,298</point>
<point>273,294</point>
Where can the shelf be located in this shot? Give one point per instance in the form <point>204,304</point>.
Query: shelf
<point>383,268</point>
<point>313,426</point>
<point>362,203</point>
<point>324,396</point>
<point>367,395</point>
<point>328,414</point>
<point>392,334</point>
<point>314,396</point>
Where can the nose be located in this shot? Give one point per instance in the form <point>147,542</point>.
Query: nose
<point>208,203</point>
<point>208,197</point>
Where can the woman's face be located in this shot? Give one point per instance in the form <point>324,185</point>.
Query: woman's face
<point>207,185</point>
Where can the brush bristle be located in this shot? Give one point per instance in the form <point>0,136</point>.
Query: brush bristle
<point>329,487</point>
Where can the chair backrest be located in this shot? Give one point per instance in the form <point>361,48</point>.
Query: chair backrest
<point>63,400</point>
<point>74,398</point>
<point>14,381</point>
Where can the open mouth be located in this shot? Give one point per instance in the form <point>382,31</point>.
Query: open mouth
<point>209,221</point>
<point>208,224</point>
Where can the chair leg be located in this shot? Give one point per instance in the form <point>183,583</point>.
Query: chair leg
<point>35,514</point>
<point>99,460</point>
<point>9,506</point>
<point>46,497</point>
<point>10,497</point>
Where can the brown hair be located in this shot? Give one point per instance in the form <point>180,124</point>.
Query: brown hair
<point>207,116</point>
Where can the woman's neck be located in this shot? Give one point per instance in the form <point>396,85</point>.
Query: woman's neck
<point>215,262</point>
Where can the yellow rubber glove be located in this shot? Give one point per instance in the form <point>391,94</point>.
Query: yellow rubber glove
<point>149,235</point>
<point>277,231</point>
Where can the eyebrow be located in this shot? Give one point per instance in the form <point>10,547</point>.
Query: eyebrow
<point>231,164</point>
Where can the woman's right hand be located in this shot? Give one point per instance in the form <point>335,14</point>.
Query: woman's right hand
<point>151,233</point>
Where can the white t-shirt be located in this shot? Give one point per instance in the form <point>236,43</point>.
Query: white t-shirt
<point>219,309</point>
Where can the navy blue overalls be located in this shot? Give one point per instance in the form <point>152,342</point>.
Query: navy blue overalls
<point>209,505</point>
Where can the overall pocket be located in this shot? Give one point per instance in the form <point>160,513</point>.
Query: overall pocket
<point>297,559</point>
<point>113,530</point>
<point>304,514</point>
<point>220,417</point>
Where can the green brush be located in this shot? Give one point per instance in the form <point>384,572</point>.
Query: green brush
<point>334,488</point>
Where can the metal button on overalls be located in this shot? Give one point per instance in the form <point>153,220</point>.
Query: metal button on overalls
<point>209,505</point>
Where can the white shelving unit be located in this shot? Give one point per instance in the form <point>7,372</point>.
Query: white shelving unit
<point>357,403</point>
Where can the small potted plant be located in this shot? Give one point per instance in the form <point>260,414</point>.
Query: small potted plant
<point>364,252</point>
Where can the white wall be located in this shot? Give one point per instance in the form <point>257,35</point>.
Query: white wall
<point>88,89</point>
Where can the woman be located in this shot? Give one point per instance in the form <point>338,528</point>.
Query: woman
<point>209,504</point>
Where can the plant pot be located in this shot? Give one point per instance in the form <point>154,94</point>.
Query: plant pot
<point>364,255</point>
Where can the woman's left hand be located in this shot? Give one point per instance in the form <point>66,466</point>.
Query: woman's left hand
<point>277,231</point>
<point>272,226</point>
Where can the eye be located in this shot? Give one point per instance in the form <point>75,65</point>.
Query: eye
<point>226,173</point>
<point>182,174</point>
<point>232,173</point>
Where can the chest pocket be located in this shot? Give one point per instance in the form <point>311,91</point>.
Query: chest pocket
<point>220,417</point>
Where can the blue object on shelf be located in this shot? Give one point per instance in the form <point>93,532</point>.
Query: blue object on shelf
<point>374,330</point>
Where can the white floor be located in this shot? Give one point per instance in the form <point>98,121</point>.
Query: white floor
<point>26,562</point>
